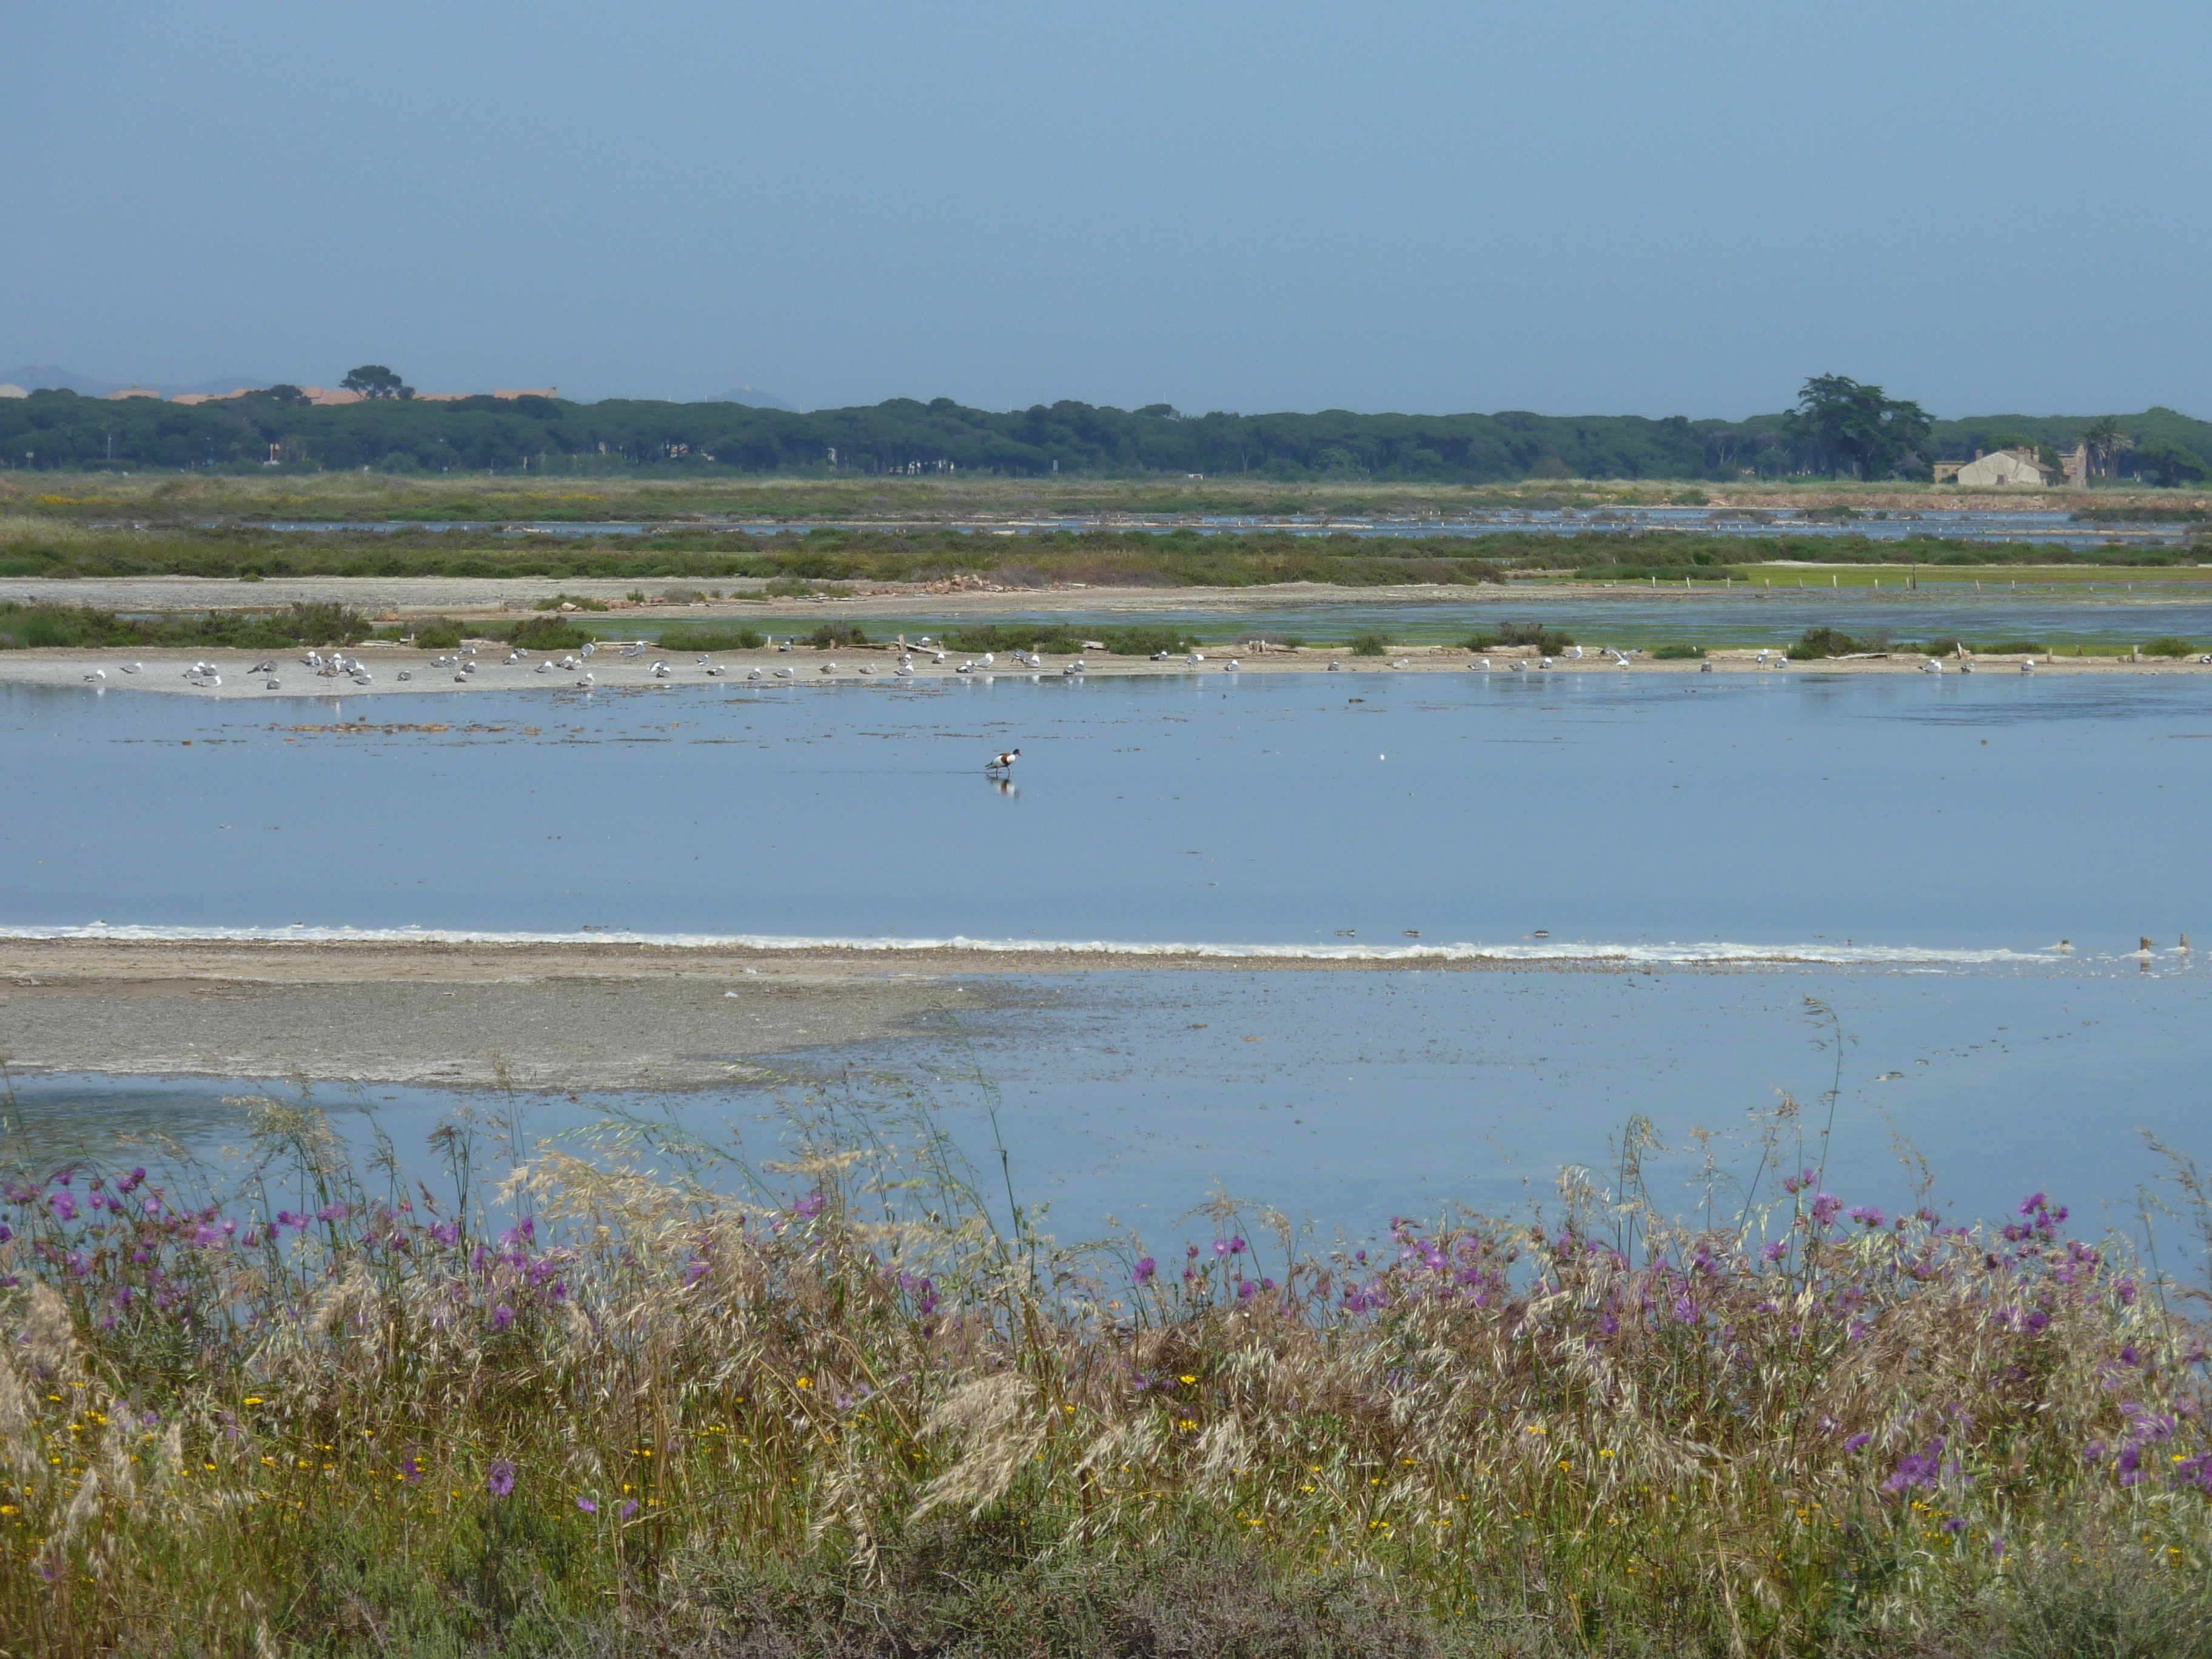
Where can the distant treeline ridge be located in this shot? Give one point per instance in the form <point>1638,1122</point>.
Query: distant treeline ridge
<point>60,430</point>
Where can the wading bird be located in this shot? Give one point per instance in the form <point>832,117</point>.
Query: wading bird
<point>1003,763</point>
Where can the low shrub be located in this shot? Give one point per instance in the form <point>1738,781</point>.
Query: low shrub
<point>835,634</point>
<point>711,637</point>
<point>1548,641</point>
<point>581,602</point>
<point>1369,645</point>
<point>1817,643</point>
<point>543,633</point>
<point>33,627</point>
<point>1678,653</point>
<point>437,634</point>
<point>2168,645</point>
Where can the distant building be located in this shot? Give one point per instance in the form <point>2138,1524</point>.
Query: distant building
<point>2002,469</point>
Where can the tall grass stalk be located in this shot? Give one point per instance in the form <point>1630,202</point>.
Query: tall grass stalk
<point>651,1392</point>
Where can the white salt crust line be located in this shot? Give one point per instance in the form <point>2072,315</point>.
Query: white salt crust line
<point>1660,955</point>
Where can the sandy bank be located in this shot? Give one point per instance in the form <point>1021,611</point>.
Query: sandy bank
<point>753,673</point>
<point>566,1015</point>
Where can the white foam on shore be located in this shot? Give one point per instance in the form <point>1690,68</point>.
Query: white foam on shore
<point>1716,952</point>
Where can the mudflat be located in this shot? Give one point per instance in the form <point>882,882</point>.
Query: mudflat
<point>541,1015</point>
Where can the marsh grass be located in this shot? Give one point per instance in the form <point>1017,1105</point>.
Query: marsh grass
<point>30,627</point>
<point>711,637</point>
<point>1678,652</point>
<point>639,1393</point>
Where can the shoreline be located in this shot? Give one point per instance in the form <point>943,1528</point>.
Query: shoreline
<point>160,669</point>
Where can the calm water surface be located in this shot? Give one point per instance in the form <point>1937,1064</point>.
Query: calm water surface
<point>1682,813</point>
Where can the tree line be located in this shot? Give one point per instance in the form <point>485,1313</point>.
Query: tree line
<point>1840,428</point>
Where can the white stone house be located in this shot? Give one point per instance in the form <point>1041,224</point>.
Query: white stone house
<point>2002,469</point>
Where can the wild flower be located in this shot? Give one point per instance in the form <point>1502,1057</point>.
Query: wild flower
<point>499,1479</point>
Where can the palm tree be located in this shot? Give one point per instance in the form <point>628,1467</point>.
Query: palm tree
<point>2107,439</point>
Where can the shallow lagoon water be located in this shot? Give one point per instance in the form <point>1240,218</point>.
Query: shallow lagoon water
<point>1662,814</point>
<point>1926,838</point>
<point>1345,1099</point>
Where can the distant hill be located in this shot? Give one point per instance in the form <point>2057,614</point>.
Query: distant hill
<point>753,397</point>
<point>33,376</point>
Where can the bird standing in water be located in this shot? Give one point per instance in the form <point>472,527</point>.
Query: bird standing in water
<point>1003,762</point>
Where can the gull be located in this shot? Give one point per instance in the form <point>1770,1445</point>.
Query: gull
<point>97,674</point>
<point>1574,651</point>
<point>512,658</point>
<point>1704,668</point>
<point>274,685</point>
<point>132,668</point>
<point>1333,665</point>
<point>637,650</point>
<point>212,682</point>
<point>544,667</point>
<point>828,667</point>
<point>460,679</point>
<point>1076,667</point>
<point>265,667</point>
<point>965,668</point>
<point>1485,665</point>
<point>1232,666</point>
<point>702,659</point>
<point>1520,667</point>
<point>1162,656</point>
<point>405,675</point>
<point>985,660</point>
<point>783,673</point>
<point>362,678</point>
<point>1966,668</point>
<point>1931,666</point>
<point>1547,662</point>
<point>1196,657</point>
<point>587,682</point>
<point>715,673</point>
<point>2028,666</point>
<point>660,670</point>
<point>755,675</point>
<point>1003,762</point>
<point>939,657</point>
<point>468,668</point>
<point>590,647</point>
<point>865,669</point>
<point>520,652</point>
<point>468,651</point>
<point>905,671</point>
<point>313,659</point>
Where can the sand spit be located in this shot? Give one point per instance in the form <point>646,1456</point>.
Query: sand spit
<point>753,671</point>
<point>541,1015</point>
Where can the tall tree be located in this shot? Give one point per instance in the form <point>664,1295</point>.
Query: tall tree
<point>2108,440</point>
<point>1856,426</point>
<point>375,380</point>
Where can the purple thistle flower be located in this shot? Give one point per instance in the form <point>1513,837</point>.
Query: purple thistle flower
<point>810,1206</point>
<point>588,1506</point>
<point>410,1469</point>
<point>502,1317</point>
<point>1146,1268</point>
<point>1221,1246</point>
<point>1825,1208</point>
<point>1867,1215</point>
<point>1237,1246</point>
<point>1858,1441</point>
<point>1954,1525</point>
<point>1775,1251</point>
<point>628,1508</point>
<point>501,1478</point>
<point>2033,1202</point>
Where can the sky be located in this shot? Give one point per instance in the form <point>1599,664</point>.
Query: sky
<point>1568,208</point>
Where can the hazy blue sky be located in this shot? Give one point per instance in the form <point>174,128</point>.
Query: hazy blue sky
<point>1570,208</point>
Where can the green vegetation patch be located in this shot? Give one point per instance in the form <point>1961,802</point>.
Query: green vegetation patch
<point>708,636</point>
<point>2168,645</point>
<point>1547,640</point>
<point>36,626</point>
<point>1679,654</point>
<point>578,601</point>
<point>1818,642</point>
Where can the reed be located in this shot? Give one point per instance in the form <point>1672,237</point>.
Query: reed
<point>643,1396</point>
